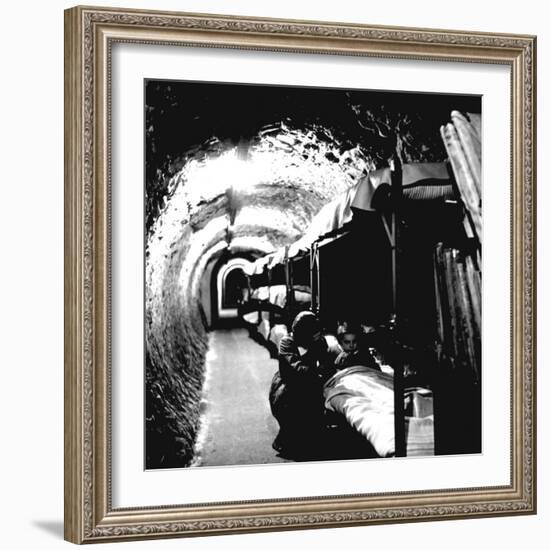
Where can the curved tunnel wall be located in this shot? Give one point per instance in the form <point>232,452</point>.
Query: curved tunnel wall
<point>284,191</point>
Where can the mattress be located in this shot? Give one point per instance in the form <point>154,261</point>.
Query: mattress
<point>364,396</point>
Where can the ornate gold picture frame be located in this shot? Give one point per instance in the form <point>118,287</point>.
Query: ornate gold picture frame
<point>90,36</point>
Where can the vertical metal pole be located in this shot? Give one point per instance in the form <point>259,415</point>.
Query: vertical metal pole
<point>313,278</point>
<point>394,239</point>
<point>269,281</point>
<point>289,285</point>
<point>312,288</point>
<point>291,279</point>
<point>398,390</point>
<point>318,263</point>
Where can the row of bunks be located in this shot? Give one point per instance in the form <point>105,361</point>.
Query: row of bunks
<point>400,255</point>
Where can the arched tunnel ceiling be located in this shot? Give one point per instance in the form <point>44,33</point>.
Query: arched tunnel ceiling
<point>269,192</point>
<point>267,176</point>
<point>317,141</point>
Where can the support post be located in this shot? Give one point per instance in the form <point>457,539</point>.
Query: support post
<point>269,282</point>
<point>314,277</point>
<point>398,389</point>
<point>289,289</point>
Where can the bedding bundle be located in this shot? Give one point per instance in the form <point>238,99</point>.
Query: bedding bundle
<point>364,396</point>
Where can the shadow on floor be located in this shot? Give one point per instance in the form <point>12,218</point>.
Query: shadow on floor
<point>52,527</point>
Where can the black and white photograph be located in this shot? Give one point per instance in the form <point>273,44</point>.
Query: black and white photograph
<point>274,275</point>
<point>312,273</point>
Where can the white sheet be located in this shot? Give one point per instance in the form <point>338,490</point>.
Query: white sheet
<point>365,397</point>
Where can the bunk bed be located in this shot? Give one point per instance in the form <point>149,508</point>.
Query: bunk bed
<point>402,245</point>
<point>271,300</point>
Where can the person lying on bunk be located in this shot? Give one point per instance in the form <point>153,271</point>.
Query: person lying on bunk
<point>296,394</point>
<point>355,350</point>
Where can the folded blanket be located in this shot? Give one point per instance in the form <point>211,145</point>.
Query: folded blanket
<point>365,397</point>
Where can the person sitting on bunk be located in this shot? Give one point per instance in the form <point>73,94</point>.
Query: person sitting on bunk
<point>353,341</point>
<point>296,394</point>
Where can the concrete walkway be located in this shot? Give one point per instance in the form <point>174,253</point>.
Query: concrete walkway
<point>237,426</point>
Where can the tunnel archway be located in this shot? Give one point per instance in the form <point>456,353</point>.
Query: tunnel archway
<point>230,282</point>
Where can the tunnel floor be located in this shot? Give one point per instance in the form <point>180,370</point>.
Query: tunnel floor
<point>237,426</point>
